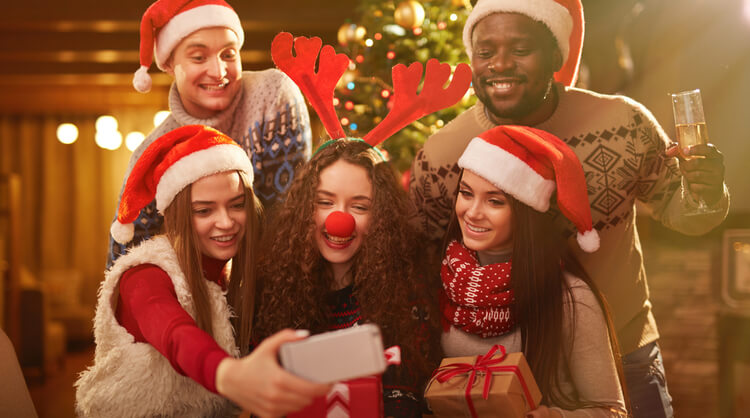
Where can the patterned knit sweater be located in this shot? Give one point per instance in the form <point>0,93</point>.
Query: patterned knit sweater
<point>268,117</point>
<point>621,147</point>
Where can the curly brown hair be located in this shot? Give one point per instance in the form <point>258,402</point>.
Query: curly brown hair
<point>387,272</point>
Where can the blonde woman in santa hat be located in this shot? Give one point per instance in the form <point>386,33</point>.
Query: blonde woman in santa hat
<point>509,279</point>
<point>198,43</point>
<point>175,313</point>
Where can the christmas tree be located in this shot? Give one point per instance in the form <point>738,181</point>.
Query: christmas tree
<point>389,33</point>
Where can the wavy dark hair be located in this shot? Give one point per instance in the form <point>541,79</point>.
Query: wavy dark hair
<point>540,257</point>
<point>387,274</point>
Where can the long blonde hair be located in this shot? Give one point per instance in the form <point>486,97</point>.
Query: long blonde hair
<point>178,227</point>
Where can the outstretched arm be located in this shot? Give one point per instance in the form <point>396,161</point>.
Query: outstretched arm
<point>258,384</point>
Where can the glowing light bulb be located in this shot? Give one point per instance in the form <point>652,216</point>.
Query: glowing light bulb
<point>160,116</point>
<point>106,123</point>
<point>133,139</point>
<point>67,133</point>
<point>110,140</point>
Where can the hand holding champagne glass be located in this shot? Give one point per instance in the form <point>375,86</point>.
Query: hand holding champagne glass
<point>690,126</point>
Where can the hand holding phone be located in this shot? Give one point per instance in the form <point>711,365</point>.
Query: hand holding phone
<point>336,355</point>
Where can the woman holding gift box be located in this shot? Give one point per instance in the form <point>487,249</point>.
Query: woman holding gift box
<point>509,279</point>
<point>341,250</point>
<point>169,320</point>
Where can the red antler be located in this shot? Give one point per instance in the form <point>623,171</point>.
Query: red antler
<point>318,86</point>
<point>408,106</point>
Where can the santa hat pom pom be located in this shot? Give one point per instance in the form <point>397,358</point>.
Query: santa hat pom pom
<point>141,80</point>
<point>122,233</point>
<point>589,240</point>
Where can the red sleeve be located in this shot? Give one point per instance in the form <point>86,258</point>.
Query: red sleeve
<point>148,308</point>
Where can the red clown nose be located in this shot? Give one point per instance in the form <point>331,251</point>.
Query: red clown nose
<point>339,224</point>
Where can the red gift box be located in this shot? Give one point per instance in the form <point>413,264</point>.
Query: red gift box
<point>361,397</point>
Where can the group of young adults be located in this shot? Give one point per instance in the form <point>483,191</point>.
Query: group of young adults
<point>525,236</point>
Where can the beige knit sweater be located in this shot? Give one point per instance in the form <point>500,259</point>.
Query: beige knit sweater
<point>621,147</point>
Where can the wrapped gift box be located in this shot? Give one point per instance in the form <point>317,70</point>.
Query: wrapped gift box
<point>505,379</point>
<point>360,398</point>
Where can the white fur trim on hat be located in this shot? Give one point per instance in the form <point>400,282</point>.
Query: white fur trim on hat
<point>554,15</point>
<point>507,172</point>
<point>191,20</point>
<point>589,240</point>
<point>122,233</point>
<point>199,164</point>
<point>141,80</point>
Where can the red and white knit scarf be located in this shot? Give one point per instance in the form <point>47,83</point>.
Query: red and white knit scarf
<point>476,299</point>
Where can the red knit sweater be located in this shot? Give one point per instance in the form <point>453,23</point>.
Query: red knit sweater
<point>147,307</point>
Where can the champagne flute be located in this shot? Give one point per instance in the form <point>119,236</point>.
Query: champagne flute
<point>690,126</point>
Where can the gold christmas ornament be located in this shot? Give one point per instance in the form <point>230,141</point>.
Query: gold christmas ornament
<point>349,32</point>
<point>409,14</point>
<point>460,3</point>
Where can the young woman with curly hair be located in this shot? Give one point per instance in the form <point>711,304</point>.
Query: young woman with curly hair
<point>510,279</point>
<point>317,281</point>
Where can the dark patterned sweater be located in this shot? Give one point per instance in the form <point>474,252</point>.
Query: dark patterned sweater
<point>268,118</point>
<point>399,398</point>
<point>621,147</point>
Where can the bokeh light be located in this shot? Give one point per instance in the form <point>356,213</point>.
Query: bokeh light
<point>67,133</point>
<point>133,139</point>
<point>160,116</point>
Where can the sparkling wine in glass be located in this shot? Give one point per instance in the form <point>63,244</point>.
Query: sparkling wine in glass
<point>690,126</point>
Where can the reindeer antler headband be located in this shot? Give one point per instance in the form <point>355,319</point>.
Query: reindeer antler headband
<point>408,105</point>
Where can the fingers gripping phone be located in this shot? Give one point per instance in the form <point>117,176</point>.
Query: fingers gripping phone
<point>336,355</point>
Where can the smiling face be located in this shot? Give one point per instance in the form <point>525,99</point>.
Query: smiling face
<point>207,70</point>
<point>484,215</point>
<point>347,188</point>
<point>513,60</point>
<point>219,216</point>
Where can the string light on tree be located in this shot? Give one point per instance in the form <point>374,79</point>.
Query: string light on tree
<point>350,33</point>
<point>391,39</point>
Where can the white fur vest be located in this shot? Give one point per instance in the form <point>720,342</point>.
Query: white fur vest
<point>132,379</point>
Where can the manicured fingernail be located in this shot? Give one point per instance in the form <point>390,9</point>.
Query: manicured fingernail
<point>302,333</point>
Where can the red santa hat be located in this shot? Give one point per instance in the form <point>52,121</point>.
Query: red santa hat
<point>529,164</point>
<point>564,18</point>
<point>171,163</point>
<point>167,22</point>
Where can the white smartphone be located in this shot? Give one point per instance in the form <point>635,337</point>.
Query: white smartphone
<point>336,355</point>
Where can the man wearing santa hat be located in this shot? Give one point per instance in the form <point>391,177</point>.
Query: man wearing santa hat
<point>525,56</point>
<point>198,43</point>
